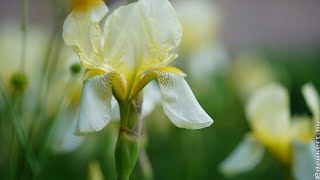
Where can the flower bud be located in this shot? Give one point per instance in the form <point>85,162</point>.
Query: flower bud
<point>19,81</point>
<point>75,68</point>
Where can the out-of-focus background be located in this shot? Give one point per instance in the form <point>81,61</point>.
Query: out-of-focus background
<point>230,49</point>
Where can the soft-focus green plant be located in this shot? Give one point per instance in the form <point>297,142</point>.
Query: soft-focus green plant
<point>38,86</point>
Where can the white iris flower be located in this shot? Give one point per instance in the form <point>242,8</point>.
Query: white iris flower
<point>291,142</point>
<point>135,47</point>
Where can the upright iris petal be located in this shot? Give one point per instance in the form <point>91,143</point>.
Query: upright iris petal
<point>269,116</point>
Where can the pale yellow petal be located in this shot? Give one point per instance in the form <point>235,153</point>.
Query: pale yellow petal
<point>269,116</point>
<point>302,129</point>
<point>141,35</point>
<point>81,31</point>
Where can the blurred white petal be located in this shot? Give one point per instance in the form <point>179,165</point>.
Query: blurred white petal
<point>179,103</point>
<point>95,108</point>
<point>269,116</point>
<point>151,97</point>
<point>65,141</point>
<point>200,21</point>
<point>206,61</point>
<point>268,111</point>
<point>304,160</point>
<point>312,98</point>
<point>244,158</point>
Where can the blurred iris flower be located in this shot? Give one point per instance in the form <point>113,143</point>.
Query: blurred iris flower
<point>135,47</point>
<point>289,139</point>
<point>201,23</point>
<point>249,72</point>
<point>201,45</point>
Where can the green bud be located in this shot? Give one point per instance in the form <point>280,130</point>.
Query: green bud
<point>75,68</point>
<point>19,81</point>
<point>126,153</point>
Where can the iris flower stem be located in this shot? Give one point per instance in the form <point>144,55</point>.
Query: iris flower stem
<point>124,114</point>
<point>24,28</point>
<point>127,147</point>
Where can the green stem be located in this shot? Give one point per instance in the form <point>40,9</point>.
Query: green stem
<point>127,147</point>
<point>19,130</point>
<point>24,28</point>
<point>124,114</point>
<point>13,156</point>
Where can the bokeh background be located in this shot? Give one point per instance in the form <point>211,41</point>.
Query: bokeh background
<point>230,49</point>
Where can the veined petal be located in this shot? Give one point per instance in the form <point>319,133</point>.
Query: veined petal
<point>141,35</point>
<point>269,117</point>
<point>244,158</point>
<point>312,98</point>
<point>95,107</point>
<point>81,31</point>
<point>304,160</point>
<point>179,103</point>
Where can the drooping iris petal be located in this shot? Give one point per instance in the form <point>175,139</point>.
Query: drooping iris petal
<point>304,160</point>
<point>244,158</point>
<point>81,31</point>
<point>95,108</point>
<point>141,35</point>
<point>269,117</point>
<point>312,99</point>
<point>179,103</point>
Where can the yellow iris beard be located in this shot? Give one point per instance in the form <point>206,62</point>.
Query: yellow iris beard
<point>279,147</point>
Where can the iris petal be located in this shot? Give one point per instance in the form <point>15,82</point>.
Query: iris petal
<point>244,158</point>
<point>95,108</point>
<point>179,103</point>
<point>81,31</point>
<point>312,98</point>
<point>141,35</point>
<point>269,116</point>
<point>304,160</point>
